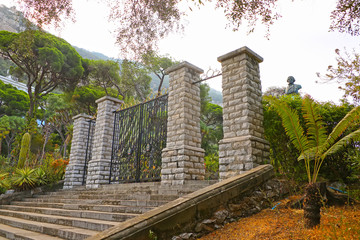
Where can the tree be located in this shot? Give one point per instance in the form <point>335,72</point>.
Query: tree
<point>210,122</point>
<point>46,12</point>
<point>315,146</point>
<point>347,72</point>
<point>143,23</point>
<point>47,61</point>
<point>13,102</point>
<point>346,17</point>
<point>134,80</point>
<point>84,98</point>
<point>16,126</point>
<point>157,65</point>
<point>4,128</point>
<point>105,74</point>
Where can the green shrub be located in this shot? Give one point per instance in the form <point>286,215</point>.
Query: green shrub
<point>54,167</point>
<point>283,154</point>
<point>4,182</point>
<point>41,176</point>
<point>212,166</point>
<point>23,179</point>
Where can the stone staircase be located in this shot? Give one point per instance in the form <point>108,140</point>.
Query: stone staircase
<point>80,213</point>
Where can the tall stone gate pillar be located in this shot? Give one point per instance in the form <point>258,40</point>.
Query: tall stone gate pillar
<point>99,165</point>
<point>75,169</point>
<point>183,157</point>
<point>243,146</point>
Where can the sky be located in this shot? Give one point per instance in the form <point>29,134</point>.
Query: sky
<point>300,43</point>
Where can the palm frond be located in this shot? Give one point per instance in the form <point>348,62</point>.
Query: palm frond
<point>309,153</point>
<point>316,131</point>
<point>291,123</point>
<point>354,136</point>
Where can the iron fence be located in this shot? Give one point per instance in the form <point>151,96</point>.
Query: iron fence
<point>139,137</point>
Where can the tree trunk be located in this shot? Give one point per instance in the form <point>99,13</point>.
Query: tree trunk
<point>312,204</point>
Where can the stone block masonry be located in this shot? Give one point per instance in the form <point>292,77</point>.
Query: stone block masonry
<point>243,146</point>
<point>75,169</point>
<point>183,157</point>
<point>99,165</point>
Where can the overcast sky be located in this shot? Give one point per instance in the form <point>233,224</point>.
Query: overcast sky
<point>300,43</point>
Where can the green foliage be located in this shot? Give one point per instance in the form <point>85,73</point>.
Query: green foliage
<point>4,129</point>
<point>4,182</point>
<point>4,126</point>
<point>54,168</point>
<point>211,132</point>
<point>315,145</point>
<point>41,176</point>
<point>157,65</point>
<point>210,123</point>
<point>211,166</point>
<point>135,80</point>
<point>37,52</point>
<point>105,74</point>
<point>23,179</point>
<point>24,150</point>
<point>5,66</point>
<point>283,154</point>
<point>84,98</point>
<point>13,102</point>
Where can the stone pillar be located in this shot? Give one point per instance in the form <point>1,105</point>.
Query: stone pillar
<point>75,169</point>
<point>183,157</point>
<point>99,165</point>
<point>243,146</point>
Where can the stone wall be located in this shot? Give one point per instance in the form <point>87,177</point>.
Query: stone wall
<point>183,157</point>
<point>243,146</point>
<point>99,165</point>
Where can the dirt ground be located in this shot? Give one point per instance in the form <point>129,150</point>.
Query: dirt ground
<point>285,223</point>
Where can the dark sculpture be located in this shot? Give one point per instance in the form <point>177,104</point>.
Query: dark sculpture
<point>292,88</point>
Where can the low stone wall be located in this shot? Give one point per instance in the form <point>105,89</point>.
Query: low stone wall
<point>187,214</point>
<point>245,205</point>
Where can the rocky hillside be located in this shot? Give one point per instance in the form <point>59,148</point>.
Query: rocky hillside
<point>11,20</point>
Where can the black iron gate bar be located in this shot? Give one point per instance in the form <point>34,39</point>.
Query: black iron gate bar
<point>209,75</point>
<point>88,151</point>
<point>138,139</point>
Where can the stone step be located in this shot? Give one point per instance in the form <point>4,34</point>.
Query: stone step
<point>85,223</point>
<point>63,232</point>
<point>8,232</point>
<point>78,213</point>
<point>82,206</point>
<point>137,187</point>
<point>142,203</point>
<point>136,196</point>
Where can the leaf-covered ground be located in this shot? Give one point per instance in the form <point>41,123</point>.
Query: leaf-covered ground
<point>286,223</point>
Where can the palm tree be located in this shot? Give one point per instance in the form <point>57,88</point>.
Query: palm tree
<point>315,145</point>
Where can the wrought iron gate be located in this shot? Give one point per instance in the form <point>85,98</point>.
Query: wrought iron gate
<point>139,136</point>
<point>89,144</point>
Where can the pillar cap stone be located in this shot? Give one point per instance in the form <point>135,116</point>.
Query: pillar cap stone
<point>82,115</point>
<point>239,51</point>
<point>182,65</point>
<point>116,100</point>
